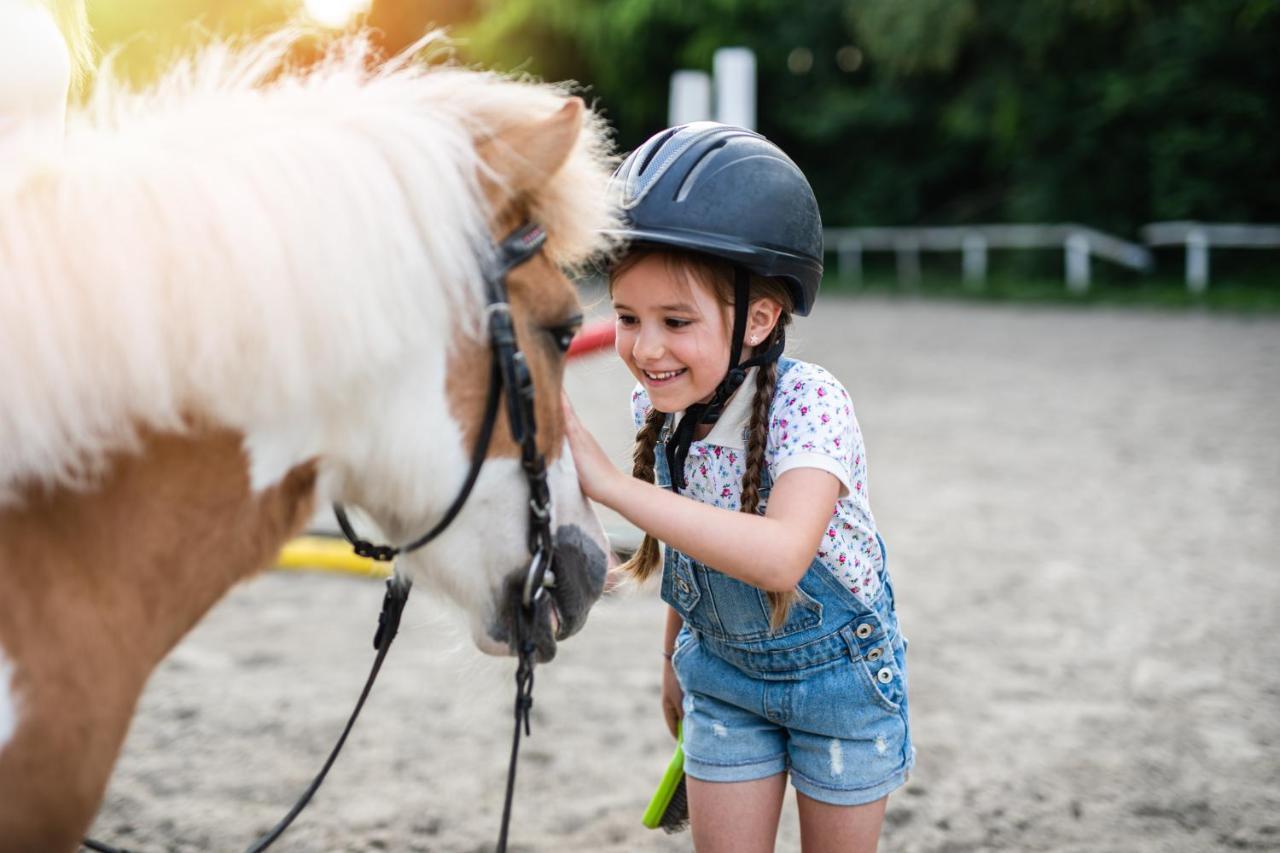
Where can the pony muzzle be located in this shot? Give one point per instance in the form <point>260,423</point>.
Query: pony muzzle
<point>559,605</point>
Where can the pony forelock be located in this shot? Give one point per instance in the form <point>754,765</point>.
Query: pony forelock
<point>237,242</point>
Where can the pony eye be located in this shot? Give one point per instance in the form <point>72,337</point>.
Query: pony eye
<point>562,336</point>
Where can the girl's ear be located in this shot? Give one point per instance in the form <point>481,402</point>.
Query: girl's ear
<point>762,316</point>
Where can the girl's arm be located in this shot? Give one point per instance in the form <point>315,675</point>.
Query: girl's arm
<point>672,695</point>
<point>771,552</point>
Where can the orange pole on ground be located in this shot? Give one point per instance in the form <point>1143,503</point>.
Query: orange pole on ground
<point>592,337</point>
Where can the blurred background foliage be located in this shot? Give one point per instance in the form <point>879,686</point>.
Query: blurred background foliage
<point>1112,113</point>
<point>1108,112</point>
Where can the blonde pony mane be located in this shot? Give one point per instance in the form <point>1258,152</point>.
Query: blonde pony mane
<point>73,21</point>
<point>236,242</point>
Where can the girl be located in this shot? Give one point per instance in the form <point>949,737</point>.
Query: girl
<point>782,650</point>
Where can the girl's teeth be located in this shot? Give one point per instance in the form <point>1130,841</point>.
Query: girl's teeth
<point>665,375</point>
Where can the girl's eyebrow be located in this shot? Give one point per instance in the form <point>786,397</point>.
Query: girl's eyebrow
<point>678,307</point>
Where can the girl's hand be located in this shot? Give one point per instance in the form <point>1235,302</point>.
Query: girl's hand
<point>672,698</point>
<point>595,471</point>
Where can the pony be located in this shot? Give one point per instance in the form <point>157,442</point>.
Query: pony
<point>243,292</point>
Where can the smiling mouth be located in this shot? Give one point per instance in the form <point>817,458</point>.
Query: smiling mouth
<point>664,375</point>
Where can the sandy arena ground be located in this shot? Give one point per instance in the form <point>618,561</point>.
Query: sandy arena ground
<point>1081,509</point>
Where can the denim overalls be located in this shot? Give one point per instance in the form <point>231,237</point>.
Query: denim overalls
<point>825,696</point>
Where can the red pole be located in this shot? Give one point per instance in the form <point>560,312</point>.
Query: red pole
<point>592,337</point>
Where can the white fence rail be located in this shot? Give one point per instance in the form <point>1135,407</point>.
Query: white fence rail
<point>1199,237</point>
<point>1079,244</point>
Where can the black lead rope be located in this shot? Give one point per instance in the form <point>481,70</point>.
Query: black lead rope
<point>525,621</point>
<point>388,626</point>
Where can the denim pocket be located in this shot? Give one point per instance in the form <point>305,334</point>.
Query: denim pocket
<point>881,671</point>
<point>737,612</point>
<point>679,586</point>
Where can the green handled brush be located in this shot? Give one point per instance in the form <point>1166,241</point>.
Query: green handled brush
<point>669,807</point>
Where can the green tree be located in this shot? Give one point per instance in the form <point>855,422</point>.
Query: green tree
<point>1110,112</point>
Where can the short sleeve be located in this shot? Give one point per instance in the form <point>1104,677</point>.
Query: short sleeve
<point>640,406</point>
<point>812,425</point>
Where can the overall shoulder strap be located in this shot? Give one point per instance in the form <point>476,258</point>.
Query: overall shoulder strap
<point>661,469</point>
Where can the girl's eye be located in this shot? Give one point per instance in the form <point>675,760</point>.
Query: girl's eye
<point>677,323</point>
<point>626,321</point>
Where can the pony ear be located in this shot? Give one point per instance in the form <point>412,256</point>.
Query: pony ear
<point>524,157</point>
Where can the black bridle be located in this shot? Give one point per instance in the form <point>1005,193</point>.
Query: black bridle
<point>509,373</point>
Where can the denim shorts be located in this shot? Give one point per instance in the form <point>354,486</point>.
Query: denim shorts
<point>839,727</point>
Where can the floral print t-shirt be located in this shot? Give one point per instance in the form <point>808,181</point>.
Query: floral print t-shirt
<point>811,425</point>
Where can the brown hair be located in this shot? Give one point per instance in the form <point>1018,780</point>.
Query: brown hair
<point>719,276</point>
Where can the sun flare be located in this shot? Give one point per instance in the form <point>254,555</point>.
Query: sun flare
<point>335,13</point>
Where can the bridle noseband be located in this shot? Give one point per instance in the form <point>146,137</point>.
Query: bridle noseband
<point>509,373</point>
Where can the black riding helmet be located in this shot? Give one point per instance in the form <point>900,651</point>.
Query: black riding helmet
<point>726,191</point>
<point>729,192</point>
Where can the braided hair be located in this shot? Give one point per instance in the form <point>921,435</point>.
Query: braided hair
<point>757,438</point>
<point>720,275</point>
<point>647,558</point>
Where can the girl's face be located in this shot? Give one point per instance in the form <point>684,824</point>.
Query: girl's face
<point>673,333</point>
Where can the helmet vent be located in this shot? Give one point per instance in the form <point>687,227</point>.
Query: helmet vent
<point>690,179</point>
<point>654,148</point>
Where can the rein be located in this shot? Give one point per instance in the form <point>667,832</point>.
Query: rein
<point>511,374</point>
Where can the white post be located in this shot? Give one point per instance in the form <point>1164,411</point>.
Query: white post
<point>690,98</point>
<point>975,261</point>
<point>849,261</point>
<point>1197,262</point>
<point>908,250</point>
<point>735,75</point>
<point>1078,264</point>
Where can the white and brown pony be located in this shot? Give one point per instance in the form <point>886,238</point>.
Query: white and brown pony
<point>237,296</point>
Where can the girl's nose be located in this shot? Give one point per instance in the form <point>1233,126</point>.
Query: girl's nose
<point>648,346</point>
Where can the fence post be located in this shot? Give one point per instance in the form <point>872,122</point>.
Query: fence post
<point>690,98</point>
<point>975,261</point>
<point>1078,264</point>
<point>908,250</point>
<point>849,261</point>
<point>1197,261</point>
<point>734,70</point>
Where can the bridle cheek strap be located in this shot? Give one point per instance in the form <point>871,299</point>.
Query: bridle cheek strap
<point>509,370</point>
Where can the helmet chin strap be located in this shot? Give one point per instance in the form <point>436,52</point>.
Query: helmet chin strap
<point>710,411</point>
